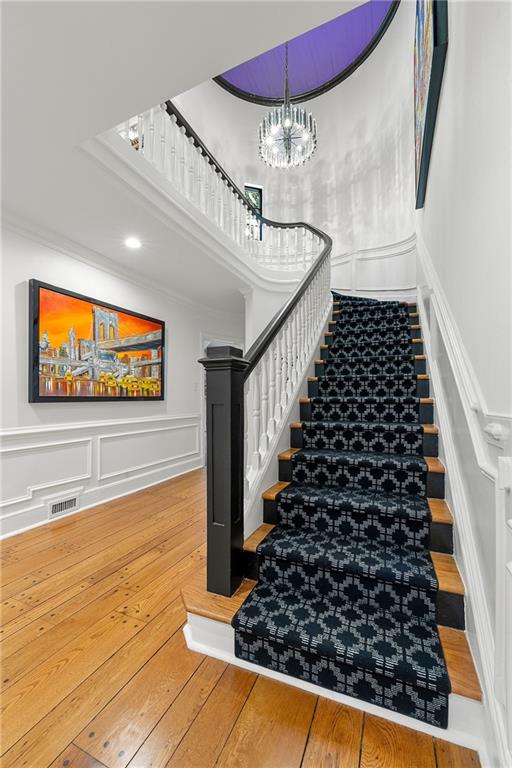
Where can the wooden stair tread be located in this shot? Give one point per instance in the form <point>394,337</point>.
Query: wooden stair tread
<point>287,455</point>
<point>296,425</point>
<point>312,378</point>
<point>199,601</point>
<point>449,755</point>
<point>440,511</point>
<point>271,493</point>
<point>422,376</point>
<point>305,400</point>
<point>459,663</point>
<point>419,340</point>
<point>426,401</point>
<point>434,465</point>
<point>420,357</point>
<point>447,573</point>
<point>251,543</point>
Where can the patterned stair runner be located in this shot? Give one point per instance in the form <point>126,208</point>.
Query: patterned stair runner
<point>346,593</point>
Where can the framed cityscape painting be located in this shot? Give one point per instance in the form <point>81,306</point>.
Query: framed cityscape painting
<point>85,349</point>
<point>431,42</point>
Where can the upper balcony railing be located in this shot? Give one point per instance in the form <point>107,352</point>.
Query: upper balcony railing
<point>167,141</point>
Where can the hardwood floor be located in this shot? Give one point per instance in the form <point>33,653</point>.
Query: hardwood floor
<point>96,673</point>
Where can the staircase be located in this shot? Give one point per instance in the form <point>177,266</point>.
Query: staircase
<point>353,565</point>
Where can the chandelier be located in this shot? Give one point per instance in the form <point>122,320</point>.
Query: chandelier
<point>287,135</point>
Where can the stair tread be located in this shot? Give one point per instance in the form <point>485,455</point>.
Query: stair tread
<point>396,564</point>
<point>367,376</point>
<point>199,601</point>
<point>271,493</point>
<point>415,507</point>
<point>371,426</point>
<point>460,664</point>
<point>311,454</point>
<point>370,399</point>
<point>447,573</point>
<point>440,512</point>
<point>254,540</point>
<point>388,644</point>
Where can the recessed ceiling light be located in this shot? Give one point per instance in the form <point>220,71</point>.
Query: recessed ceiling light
<point>132,242</point>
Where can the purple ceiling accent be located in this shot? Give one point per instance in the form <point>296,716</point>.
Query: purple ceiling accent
<point>315,58</point>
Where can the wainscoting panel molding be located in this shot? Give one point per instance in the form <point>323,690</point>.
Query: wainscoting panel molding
<point>385,271</point>
<point>99,460</point>
<point>27,469</point>
<point>157,446</point>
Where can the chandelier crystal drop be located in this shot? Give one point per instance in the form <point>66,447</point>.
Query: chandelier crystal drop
<point>287,135</point>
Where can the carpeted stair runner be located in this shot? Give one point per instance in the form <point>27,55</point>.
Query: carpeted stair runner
<point>346,594</point>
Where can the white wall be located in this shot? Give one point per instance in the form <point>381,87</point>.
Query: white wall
<point>466,219</point>
<point>359,185</point>
<point>101,449</point>
<point>464,287</point>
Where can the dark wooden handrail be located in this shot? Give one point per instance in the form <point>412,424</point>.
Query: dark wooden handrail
<point>227,369</point>
<point>267,336</point>
<point>269,333</point>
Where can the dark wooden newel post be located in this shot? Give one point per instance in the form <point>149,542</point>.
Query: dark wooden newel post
<point>225,369</point>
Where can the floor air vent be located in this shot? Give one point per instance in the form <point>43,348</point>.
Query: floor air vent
<point>63,506</point>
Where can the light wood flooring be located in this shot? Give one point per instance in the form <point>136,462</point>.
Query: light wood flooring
<point>95,670</point>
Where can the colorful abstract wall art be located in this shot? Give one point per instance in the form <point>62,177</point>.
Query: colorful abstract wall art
<point>431,41</point>
<point>85,349</point>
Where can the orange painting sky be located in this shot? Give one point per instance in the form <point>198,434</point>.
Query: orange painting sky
<point>58,313</point>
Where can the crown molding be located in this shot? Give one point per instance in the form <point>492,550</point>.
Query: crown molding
<point>55,241</point>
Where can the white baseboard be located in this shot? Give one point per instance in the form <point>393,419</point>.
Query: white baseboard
<point>216,639</point>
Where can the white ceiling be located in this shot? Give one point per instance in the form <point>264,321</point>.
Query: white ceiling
<point>71,70</point>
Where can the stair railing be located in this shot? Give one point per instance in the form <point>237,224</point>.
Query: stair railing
<point>248,396</point>
<point>167,141</point>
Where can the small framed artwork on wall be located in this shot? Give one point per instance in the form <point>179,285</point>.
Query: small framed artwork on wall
<point>431,42</point>
<point>83,349</point>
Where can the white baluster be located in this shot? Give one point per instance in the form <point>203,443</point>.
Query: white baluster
<point>246,460</point>
<point>211,206</point>
<point>290,361</point>
<point>264,405</point>
<point>294,347</point>
<point>284,367</point>
<point>300,336</point>
<point>191,159</point>
<point>241,223</point>
<point>272,390</point>
<point>151,136</point>
<point>256,417</point>
<point>278,412</point>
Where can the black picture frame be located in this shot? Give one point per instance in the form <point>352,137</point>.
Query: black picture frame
<point>440,34</point>
<point>33,364</point>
